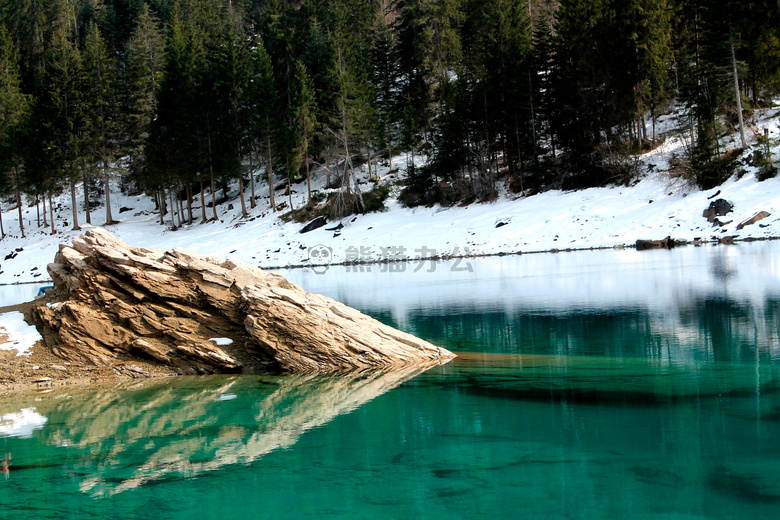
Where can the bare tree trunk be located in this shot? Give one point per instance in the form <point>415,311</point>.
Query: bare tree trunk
<point>74,203</point>
<point>368,155</point>
<point>38,210</point>
<point>173,208</point>
<point>160,201</point>
<point>181,206</point>
<point>107,180</point>
<point>639,132</point>
<point>552,143</point>
<point>736,91</point>
<point>270,171</point>
<point>2,231</point>
<point>252,202</point>
<point>306,161</point>
<point>43,200</point>
<point>345,180</point>
<point>189,204</point>
<point>51,215</point>
<point>389,137</point>
<point>86,199</point>
<point>19,205</point>
<point>211,170</point>
<point>653,115</point>
<point>244,214</point>
<point>202,203</point>
<point>213,194</point>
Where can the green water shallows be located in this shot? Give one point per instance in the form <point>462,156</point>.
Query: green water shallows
<point>564,407</point>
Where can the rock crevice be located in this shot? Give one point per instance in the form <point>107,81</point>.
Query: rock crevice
<point>116,301</point>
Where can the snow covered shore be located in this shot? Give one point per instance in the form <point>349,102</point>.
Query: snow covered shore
<point>656,206</point>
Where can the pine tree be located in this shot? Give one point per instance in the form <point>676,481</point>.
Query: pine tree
<point>653,30</point>
<point>29,22</point>
<point>305,117</point>
<point>62,109</point>
<point>760,50</point>
<point>355,121</point>
<point>283,34</point>
<point>145,67</point>
<point>171,150</point>
<point>595,84</point>
<point>231,85</point>
<point>181,146</point>
<point>705,29</point>
<point>14,108</point>
<point>431,39</point>
<point>319,61</point>
<point>499,53</point>
<point>101,113</point>
<point>264,103</point>
<point>385,79</point>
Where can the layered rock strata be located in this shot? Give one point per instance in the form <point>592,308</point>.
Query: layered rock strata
<point>205,315</point>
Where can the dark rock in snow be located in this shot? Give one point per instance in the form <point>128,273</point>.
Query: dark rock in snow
<point>717,208</point>
<point>314,224</point>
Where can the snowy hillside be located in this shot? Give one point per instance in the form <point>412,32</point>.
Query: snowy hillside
<point>656,206</point>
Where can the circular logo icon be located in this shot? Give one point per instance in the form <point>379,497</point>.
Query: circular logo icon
<point>320,257</point>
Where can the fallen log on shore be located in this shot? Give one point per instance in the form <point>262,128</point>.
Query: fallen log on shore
<point>666,243</point>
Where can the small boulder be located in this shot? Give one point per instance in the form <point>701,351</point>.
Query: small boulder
<point>761,215</point>
<point>314,224</point>
<point>717,208</point>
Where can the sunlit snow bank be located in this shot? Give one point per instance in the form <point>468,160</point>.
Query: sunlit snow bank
<point>21,336</point>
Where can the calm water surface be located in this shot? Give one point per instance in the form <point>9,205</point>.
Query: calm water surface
<point>590,385</point>
<point>14,294</point>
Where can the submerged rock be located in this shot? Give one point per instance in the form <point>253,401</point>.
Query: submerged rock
<point>121,301</point>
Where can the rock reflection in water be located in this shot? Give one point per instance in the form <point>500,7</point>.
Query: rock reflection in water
<point>126,437</point>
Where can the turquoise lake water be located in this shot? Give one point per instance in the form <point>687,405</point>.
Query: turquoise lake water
<point>590,385</point>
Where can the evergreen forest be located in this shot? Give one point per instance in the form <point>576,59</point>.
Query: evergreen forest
<point>177,98</point>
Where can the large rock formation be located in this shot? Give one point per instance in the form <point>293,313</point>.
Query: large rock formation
<point>204,315</point>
